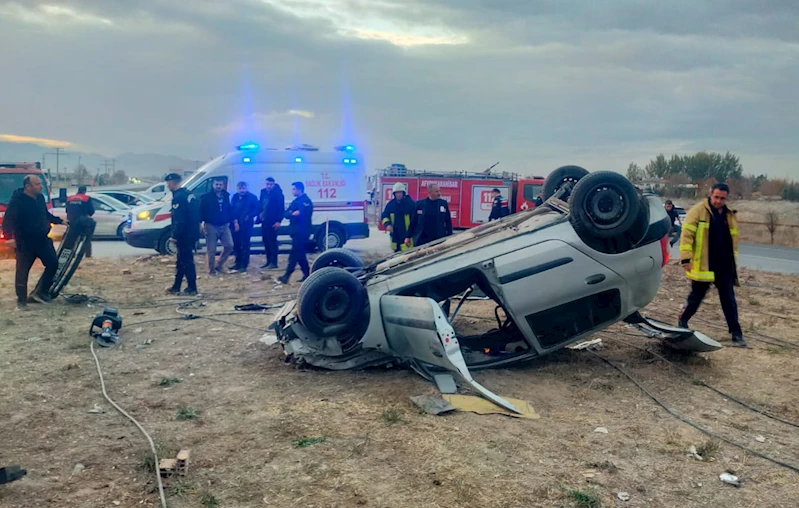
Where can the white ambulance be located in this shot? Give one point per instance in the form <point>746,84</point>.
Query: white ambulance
<point>335,181</point>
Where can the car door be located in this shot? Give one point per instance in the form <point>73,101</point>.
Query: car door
<point>556,294</point>
<point>107,221</point>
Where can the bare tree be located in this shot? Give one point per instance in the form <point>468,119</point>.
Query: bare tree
<point>772,221</point>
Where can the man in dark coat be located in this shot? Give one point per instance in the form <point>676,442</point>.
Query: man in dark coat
<point>433,220</point>
<point>185,233</point>
<point>499,207</point>
<point>217,220</point>
<point>300,214</point>
<point>273,206</point>
<point>398,217</point>
<point>27,222</point>
<point>244,207</point>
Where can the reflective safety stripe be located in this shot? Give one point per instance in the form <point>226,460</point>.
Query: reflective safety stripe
<point>690,227</point>
<point>386,221</point>
<point>407,223</point>
<point>696,264</point>
<point>686,247</point>
<point>733,231</point>
<point>701,276</point>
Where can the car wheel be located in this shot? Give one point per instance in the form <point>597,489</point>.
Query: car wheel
<point>121,231</point>
<point>330,302</point>
<point>604,205</point>
<point>561,176</point>
<point>335,239</point>
<point>165,247</point>
<point>341,258</point>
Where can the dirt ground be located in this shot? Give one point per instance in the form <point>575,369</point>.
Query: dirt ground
<point>264,433</point>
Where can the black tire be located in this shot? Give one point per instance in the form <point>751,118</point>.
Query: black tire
<point>336,238</point>
<point>121,231</point>
<point>164,247</point>
<point>341,258</point>
<point>604,205</point>
<point>330,302</point>
<point>557,178</point>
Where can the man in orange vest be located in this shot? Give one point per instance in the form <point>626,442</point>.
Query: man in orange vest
<point>708,254</point>
<point>79,207</point>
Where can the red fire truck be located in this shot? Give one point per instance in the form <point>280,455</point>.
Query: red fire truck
<point>468,194</point>
<point>11,176</point>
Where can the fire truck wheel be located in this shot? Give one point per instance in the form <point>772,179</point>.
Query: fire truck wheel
<point>330,302</point>
<point>341,258</point>
<point>562,175</point>
<point>604,205</point>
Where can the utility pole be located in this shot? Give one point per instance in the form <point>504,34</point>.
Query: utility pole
<point>58,153</point>
<point>105,165</point>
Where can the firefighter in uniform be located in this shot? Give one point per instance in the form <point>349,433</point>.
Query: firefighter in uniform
<point>299,214</point>
<point>708,254</point>
<point>185,234</point>
<point>499,208</point>
<point>397,218</point>
<point>79,208</point>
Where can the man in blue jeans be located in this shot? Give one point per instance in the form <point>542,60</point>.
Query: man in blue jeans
<point>676,229</point>
<point>216,216</point>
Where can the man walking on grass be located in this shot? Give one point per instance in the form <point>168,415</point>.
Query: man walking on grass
<point>216,217</point>
<point>708,254</point>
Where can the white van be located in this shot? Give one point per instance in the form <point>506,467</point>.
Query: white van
<point>335,181</point>
<point>156,190</point>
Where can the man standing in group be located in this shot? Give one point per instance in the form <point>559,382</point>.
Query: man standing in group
<point>27,222</point>
<point>79,207</point>
<point>273,206</point>
<point>216,217</point>
<point>185,233</point>
<point>244,207</point>
<point>433,220</point>
<point>674,216</point>
<point>499,207</point>
<point>300,213</point>
<point>398,217</point>
<point>708,253</point>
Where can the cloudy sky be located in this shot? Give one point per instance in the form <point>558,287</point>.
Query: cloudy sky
<point>435,84</point>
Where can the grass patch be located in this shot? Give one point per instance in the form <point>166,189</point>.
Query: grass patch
<point>708,449</point>
<point>209,501</point>
<point>754,302</point>
<point>169,381</point>
<point>180,489</point>
<point>392,416</point>
<point>305,442</point>
<point>585,499</point>
<point>698,382</point>
<point>148,461</point>
<point>8,322</point>
<point>776,350</point>
<point>188,413</point>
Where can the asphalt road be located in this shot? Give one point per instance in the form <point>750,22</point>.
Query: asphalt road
<point>769,258</point>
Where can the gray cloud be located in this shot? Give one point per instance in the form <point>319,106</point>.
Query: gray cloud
<point>538,84</point>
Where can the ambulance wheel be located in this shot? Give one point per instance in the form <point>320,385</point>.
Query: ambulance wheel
<point>335,238</point>
<point>561,176</point>
<point>165,247</point>
<point>604,205</point>
<point>330,302</point>
<point>341,258</point>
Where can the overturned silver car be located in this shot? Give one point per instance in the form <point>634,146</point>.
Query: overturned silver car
<point>590,256</point>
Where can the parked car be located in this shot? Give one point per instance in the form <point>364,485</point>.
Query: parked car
<point>593,253</point>
<point>111,216</point>
<point>129,198</point>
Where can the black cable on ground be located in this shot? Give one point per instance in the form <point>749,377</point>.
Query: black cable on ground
<point>692,424</point>
<point>702,383</point>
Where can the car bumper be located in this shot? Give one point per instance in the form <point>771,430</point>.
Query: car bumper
<point>356,230</point>
<point>143,239</point>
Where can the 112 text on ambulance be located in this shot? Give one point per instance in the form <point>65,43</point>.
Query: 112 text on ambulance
<point>327,188</point>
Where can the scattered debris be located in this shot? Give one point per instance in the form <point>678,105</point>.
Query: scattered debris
<point>97,410</point>
<point>78,469</point>
<point>693,453</point>
<point>624,496</point>
<point>483,406</point>
<point>760,439</point>
<point>126,271</point>
<point>587,344</point>
<point>730,479</point>
<point>137,330</point>
<point>432,404</point>
<point>269,339</point>
<point>33,339</point>
<point>606,466</point>
<point>178,465</point>
<point>445,383</point>
<point>601,430</point>
<point>308,441</point>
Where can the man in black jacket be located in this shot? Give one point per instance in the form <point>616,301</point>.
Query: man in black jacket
<point>27,222</point>
<point>244,207</point>
<point>185,233</point>
<point>79,207</point>
<point>216,217</point>
<point>433,220</point>
<point>398,217</point>
<point>273,206</point>
<point>499,207</point>
<point>300,213</point>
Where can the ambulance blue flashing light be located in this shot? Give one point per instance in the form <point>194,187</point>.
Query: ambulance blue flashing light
<point>350,161</point>
<point>297,159</point>
<point>345,148</point>
<point>247,147</point>
<point>246,160</point>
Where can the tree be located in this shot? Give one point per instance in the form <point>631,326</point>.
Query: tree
<point>82,174</point>
<point>118,178</point>
<point>772,221</point>
<point>635,173</point>
<point>658,167</point>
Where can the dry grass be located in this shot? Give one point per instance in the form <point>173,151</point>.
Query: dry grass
<point>269,434</point>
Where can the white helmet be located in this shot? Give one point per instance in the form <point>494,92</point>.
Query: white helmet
<point>400,187</point>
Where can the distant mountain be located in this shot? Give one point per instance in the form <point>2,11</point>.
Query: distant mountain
<point>134,164</point>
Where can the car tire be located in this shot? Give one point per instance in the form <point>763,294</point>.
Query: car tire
<point>336,238</point>
<point>341,258</point>
<point>165,247</point>
<point>604,205</point>
<point>331,302</point>
<point>557,178</point>
<point>121,231</point>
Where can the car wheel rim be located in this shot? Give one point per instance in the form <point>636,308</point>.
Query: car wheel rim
<point>606,207</point>
<point>334,304</point>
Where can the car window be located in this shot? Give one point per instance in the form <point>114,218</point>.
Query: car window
<point>99,205</point>
<point>160,188</point>
<point>207,185</point>
<point>9,182</point>
<point>531,191</point>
